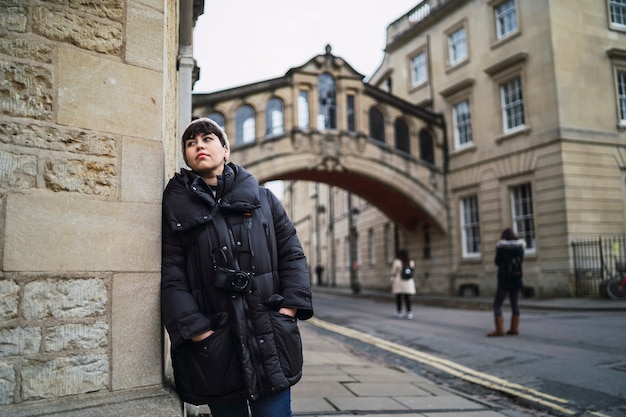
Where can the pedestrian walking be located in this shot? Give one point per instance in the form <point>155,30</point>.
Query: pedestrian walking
<point>402,282</point>
<point>234,282</point>
<point>509,259</point>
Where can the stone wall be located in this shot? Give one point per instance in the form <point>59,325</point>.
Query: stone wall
<point>82,102</point>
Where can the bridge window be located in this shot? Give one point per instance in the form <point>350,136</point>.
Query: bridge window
<point>274,125</point>
<point>244,125</point>
<point>427,147</point>
<point>470,226</point>
<point>217,118</point>
<point>402,136</point>
<point>350,113</point>
<point>327,115</point>
<point>377,125</point>
<point>303,109</point>
<point>522,213</point>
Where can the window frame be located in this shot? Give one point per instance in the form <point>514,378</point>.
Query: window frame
<point>274,127</point>
<point>452,44</point>
<point>506,106</point>
<point>503,34</point>
<point>516,201</point>
<point>244,127</point>
<point>620,87</point>
<point>455,125</point>
<point>617,4</point>
<point>474,227</point>
<point>415,82</point>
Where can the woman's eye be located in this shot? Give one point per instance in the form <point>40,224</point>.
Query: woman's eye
<point>208,138</point>
<point>190,143</point>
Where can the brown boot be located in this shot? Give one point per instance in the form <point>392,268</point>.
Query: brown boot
<point>514,326</point>
<point>499,320</point>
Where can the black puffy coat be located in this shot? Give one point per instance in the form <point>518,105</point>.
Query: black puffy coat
<point>254,350</point>
<point>505,251</point>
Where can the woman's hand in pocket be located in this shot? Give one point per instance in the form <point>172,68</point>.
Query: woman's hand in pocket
<point>202,336</point>
<point>291,312</point>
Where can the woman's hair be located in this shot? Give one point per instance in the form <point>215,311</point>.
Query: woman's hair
<point>205,126</point>
<point>403,255</point>
<point>508,234</point>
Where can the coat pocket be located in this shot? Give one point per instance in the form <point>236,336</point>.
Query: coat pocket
<point>212,367</point>
<point>288,343</point>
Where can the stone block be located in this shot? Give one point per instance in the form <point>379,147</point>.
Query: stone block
<point>7,383</point>
<point>18,171</point>
<point>85,177</point>
<point>64,376</point>
<point>64,298</point>
<point>57,138</point>
<point>91,34</point>
<point>142,157</point>
<point>20,341</point>
<point>31,49</point>
<point>13,16</point>
<point>86,234</point>
<point>136,331</point>
<point>28,90</point>
<point>108,96</point>
<point>9,299</point>
<point>76,336</point>
<point>108,9</point>
<point>144,38</point>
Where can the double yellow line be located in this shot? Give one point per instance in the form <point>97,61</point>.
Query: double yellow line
<point>453,368</point>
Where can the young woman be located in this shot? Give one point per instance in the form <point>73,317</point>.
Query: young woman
<point>403,288</point>
<point>234,280</point>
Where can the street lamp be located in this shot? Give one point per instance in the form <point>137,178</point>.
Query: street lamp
<point>353,236</point>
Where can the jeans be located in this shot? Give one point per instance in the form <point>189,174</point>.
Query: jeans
<point>407,302</point>
<point>277,405</point>
<point>499,300</point>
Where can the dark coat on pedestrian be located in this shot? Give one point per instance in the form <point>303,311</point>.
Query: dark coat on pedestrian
<point>506,250</point>
<point>255,350</point>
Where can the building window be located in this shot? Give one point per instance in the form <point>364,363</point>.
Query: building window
<point>377,125</point>
<point>470,226</point>
<point>217,118</point>
<point>371,246</point>
<point>512,105</point>
<point>418,69</point>
<point>327,115</point>
<point>350,113</point>
<point>403,142</point>
<point>522,214</point>
<point>303,109</point>
<point>244,125</point>
<point>621,92</point>
<point>457,47</point>
<point>427,147</point>
<point>462,121</point>
<point>274,125</point>
<point>426,235</point>
<point>389,255</point>
<point>618,13</point>
<point>506,19</point>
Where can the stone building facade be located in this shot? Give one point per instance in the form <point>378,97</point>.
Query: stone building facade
<point>89,108</point>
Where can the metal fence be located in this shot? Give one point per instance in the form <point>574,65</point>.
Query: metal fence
<point>595,261</point>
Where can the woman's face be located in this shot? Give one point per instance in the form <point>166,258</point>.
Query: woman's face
<point>206,155</point>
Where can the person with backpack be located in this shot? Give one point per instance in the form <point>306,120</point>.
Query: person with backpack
<point>234,282</point>
<point>402,282</point>
<point>509,259</point>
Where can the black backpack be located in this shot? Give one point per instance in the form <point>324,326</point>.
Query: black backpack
<point>407,272</point>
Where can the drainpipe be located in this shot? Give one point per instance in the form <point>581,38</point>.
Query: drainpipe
<point>186,65</point>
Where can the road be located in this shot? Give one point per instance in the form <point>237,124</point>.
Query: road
<point>575,359</point>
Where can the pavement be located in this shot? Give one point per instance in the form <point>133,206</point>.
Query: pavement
<point>337,381</point>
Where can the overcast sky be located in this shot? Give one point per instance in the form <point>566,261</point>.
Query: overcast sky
<point>243,41</point>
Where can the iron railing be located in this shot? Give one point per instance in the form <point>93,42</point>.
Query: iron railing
<point>595,261</point>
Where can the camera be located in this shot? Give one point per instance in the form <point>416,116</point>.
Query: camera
<point>233,280</point>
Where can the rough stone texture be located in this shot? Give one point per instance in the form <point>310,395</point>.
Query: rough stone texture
<point>26,91</point>
<point>135,185</point>
<point>64,298</point>
<point>20,341</point>
<point>85,177</point>
<point>76,336</point>
<point>17,171</point>
<point>27,49</point>
<point>9,299</point>
<point>64,376</point>
<point>58,139</point>
<point>110,9</point>
<point>13,16</point>
<point>90,34</point>
<point>88,234</point>
<point>7,383</point>
<point>136,349</point>
<point>144,37</point>
<point>121,88</point>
